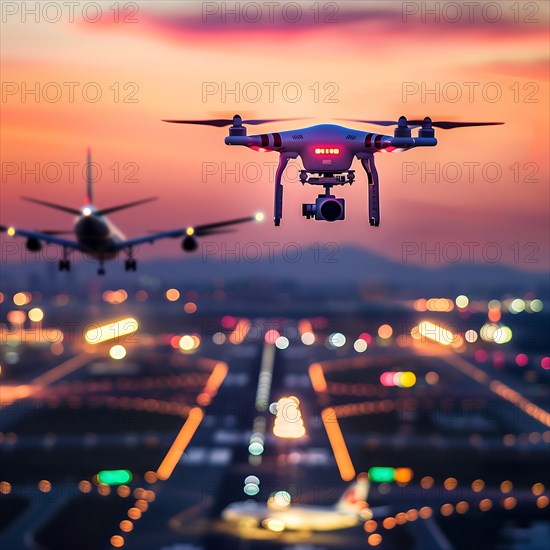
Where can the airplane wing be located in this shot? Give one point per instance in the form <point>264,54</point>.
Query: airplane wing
<point>194,231</point>
<point>45,237</point>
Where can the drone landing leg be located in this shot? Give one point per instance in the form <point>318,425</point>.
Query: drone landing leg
<point>278,206</point>
<point>374,200</point>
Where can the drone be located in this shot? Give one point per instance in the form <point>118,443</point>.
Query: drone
<point>327,152</point>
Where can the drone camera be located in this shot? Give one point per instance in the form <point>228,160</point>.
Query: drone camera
<point>325,208</point>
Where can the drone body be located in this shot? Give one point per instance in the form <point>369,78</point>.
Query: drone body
<point>326,147</point>
<point>327,152</point>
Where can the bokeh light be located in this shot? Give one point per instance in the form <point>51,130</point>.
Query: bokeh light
<point>117,352</point>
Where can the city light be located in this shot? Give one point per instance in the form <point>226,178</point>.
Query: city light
<point>219,338</point>
<point>385,331</point>
<point>190,308</point>
<point>282,342</point>
<point>189,342</point>
<point>117,352</point>
<point>271,336</point>
<point>502,335</point>
<point>172,294</point>
<point>336,340</point>
<point>435,333</point>
<point>255,448</point>
<point>516,306</point>
<point>251,489</point>
<point>36,315</point>
<point>251,486</point>
<point>111,331</point>
<point>443,304</point>
<point>360,345</point>
<point>288,420</point>
<point>21,298</point>
<point>115,296</point>
<point>401,379</point>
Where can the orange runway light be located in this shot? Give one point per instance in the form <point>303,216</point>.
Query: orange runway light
<point>217,376</point>
<point>117,541</point>
<point>240,332</point>
<point>499,388</point>
<point>403,475</point>
<point>177,449</point>
<point>339,448</point>
<point>317,377</point>
<point>64,369</point>
<point>10,394</point>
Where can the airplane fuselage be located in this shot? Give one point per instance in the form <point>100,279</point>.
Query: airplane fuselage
<point>97,236</point>
<point>297,518</point>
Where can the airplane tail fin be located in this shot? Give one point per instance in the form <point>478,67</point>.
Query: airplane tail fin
<point>89,184</point>
<point>355,496</point>
<point>90,193</point>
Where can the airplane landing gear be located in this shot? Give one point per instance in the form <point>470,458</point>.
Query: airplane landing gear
<point>65,263</point>
<point>101,269</point>
<point>130,265</point>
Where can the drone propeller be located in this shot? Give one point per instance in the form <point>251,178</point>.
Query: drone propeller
<point>235,121</point>
<point>445,125</point>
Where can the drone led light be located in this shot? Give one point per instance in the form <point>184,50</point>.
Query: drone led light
<point>327,151</point>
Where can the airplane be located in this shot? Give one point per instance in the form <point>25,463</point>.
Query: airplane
<point>100,239</point>
<point>279,515</point>
<point>327,152</point>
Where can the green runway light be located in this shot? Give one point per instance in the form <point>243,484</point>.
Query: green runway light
<point>382,474</point>
<point>114,477</point>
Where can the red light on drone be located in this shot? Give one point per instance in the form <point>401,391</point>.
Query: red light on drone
<point>256,148</point>
<point>327,151</point>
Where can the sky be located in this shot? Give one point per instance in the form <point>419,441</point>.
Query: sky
<point>104,78</point>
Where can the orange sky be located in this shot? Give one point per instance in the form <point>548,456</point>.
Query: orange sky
<point>169,53</point>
